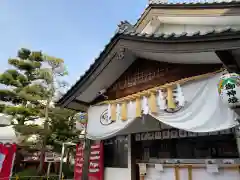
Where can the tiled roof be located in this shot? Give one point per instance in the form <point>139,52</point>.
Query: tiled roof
<point>192,2</point>
<point>125,29</point>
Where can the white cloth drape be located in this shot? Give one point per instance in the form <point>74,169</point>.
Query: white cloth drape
<point>203,111</point>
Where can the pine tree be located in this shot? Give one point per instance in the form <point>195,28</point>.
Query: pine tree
<point>53,83</point>
<point>22,92</point>
<point>30,91</point>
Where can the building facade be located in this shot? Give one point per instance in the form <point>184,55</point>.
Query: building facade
<point>151,96</point>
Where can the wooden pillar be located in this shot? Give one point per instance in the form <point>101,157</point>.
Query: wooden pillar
<point>238,145</point>
<point>237,136</point>
<point>176,173</point>
<point>190,172</point>
<point>133,164</point>
<point>86,155</point>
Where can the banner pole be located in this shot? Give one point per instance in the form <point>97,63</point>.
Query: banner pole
<point>13,160</point>
<point>61,162</point>
<point>86,151</point>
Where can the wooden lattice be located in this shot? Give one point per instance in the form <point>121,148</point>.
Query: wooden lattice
<point>144,74</point>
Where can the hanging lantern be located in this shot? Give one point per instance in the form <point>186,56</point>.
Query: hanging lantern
<point>229,89</point>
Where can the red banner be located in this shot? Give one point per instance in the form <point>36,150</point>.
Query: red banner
<point>7,155</point>
<point>96,166</point>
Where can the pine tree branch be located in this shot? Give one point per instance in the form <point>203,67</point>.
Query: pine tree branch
<point>7,79</point>
<point>44,74</point>
<point>24,65</point>
<point>26,130</point>
<point>21,113</point>
<point>36,56</point>
<point>7,95</point>
<point>24,53</point>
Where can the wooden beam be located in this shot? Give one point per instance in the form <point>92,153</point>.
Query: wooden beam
<point>77,105</point>
<point>228,60</point>
<point>80,102</point>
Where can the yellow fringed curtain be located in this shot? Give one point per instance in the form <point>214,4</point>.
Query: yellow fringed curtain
<point>124,111</point>
<point>152,102</point>
<point>113,112</point>
<point>170,101</point>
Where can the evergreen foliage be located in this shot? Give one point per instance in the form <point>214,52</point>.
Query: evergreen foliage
<point>62,127</point>
<point>22,95</point>
<point>29,94</point>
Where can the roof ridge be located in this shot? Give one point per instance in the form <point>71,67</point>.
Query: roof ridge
<point>128,29</point>
<point>192,2</point>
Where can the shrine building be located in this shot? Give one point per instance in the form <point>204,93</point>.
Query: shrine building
<point>164,94</point>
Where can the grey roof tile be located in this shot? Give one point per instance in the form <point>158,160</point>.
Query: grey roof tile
<point>158,35</point>
<point>191,2</point>
<point>127,29</point>
<point>129,32</point>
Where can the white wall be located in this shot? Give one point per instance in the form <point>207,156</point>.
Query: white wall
<point>117,174</point>
<point>120,173</point>
<point>180,28</point>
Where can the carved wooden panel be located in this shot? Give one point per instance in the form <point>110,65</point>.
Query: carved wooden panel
<point>144,74</point>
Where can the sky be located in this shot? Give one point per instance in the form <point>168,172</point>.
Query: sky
<point>74,30</point>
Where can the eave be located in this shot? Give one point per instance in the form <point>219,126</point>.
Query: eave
<point>83,78</point>
<point>226,39</point>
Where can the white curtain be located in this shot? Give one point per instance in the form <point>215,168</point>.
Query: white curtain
<point>203,111</point>
<point>96,129</point>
